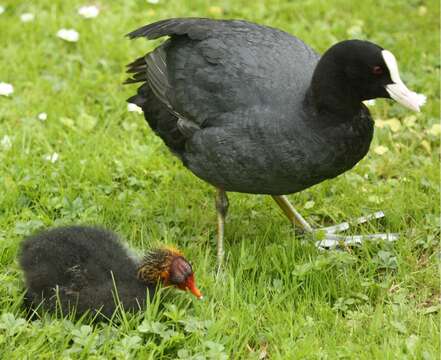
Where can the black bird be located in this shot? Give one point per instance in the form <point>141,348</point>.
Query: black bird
<point>252,109</point>
<point>78,268</point>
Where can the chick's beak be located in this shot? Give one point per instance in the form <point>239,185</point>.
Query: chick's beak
<point>397,90</point>
<point>191,286</point>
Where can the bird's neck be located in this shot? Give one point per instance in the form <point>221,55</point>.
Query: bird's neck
<point>330,95</point>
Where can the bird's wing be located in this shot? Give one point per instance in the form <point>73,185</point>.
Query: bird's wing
<point>208,68</point>
<point>194,28</point>
<point>152,69</point>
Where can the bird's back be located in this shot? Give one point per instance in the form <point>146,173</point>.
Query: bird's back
<point>212,67</point>
<point>241,67</point>
<point>93,249</point>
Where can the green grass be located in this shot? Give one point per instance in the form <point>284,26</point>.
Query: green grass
<point>277,298</point>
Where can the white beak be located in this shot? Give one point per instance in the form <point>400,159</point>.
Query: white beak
<point>397,90</point>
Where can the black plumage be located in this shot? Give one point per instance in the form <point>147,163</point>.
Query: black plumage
<point>252,109</point>
<point>240,86</point>
<point>78,268</point>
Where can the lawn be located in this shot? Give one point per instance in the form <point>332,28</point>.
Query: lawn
<point>91,161</point>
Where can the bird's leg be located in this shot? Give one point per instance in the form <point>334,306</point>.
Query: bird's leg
<point>292,214</point>
<point>331,238</point>
<point>222,210</point>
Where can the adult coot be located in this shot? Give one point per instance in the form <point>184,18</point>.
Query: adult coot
<point>87,269</point>
<point>252,109</point>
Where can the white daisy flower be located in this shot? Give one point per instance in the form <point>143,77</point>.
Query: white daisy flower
<point>134,108</point>
<point>27,17</point>
<point>6,142</point>
<point>88,12</point>
<point>6,89</point>
<point>2,9</point>
<point>52,157</point>
<point>69,35</point>
<point>42,116</point>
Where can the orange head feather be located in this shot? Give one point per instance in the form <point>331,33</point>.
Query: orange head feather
<point>168,265</point>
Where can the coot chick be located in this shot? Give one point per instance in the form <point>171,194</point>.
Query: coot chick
<point>78,268</point>
<point>252,109</point>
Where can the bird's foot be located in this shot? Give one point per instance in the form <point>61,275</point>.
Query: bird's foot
<point>328,237</point>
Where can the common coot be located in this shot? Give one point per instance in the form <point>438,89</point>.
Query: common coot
<point>253,109</point>
<point>88,269</point>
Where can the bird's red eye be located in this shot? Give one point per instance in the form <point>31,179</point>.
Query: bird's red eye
<point>377,70</point>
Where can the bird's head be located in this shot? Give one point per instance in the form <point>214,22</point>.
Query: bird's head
<point>367,71</point>
<point>168,265</point>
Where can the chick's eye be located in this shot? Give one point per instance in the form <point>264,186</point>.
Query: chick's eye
<point>377,70</point>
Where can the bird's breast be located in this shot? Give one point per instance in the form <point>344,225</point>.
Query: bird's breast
<point>274,159</point>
